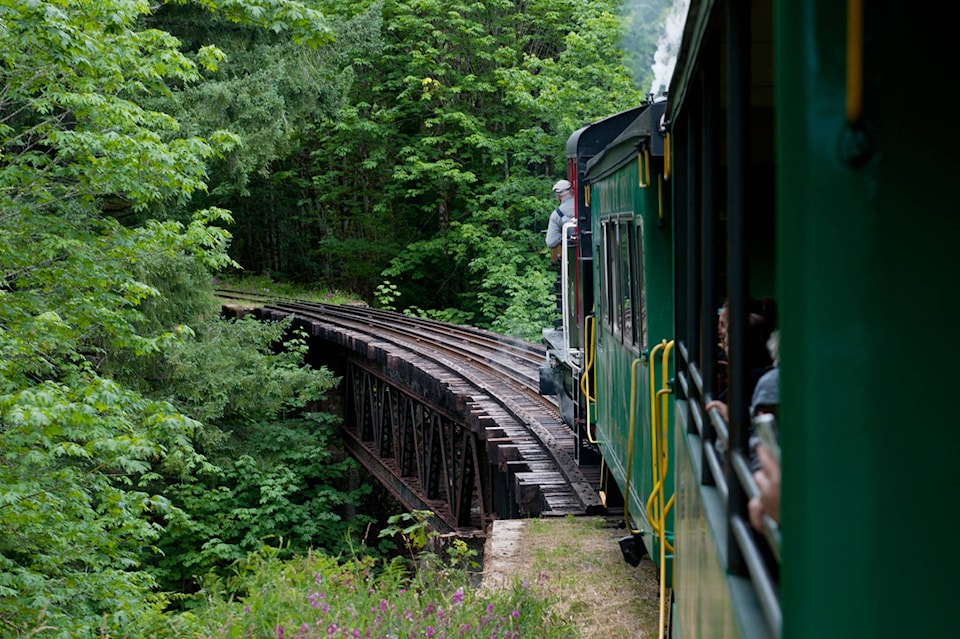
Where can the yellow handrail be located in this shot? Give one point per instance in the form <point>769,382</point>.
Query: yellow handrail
<point>854,61</point>
<point>633,406</point>
<point>659,445</point>
<point>665,388</point>
<point>640,171</point>
<point>664,450</point>
<point>590,329</point>
<point>646,162</point>
<point>660,195</point>
<point>666,158</point>
<point>664,442</point>
<point>663,445</point>
<point>654,456</point>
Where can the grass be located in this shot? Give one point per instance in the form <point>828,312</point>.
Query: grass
<point>579,564</point>
<point>321,596</point>
<point>259,285</point>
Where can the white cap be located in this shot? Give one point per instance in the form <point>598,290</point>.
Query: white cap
<point>562,186</point>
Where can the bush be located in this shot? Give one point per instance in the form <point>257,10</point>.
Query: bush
<point>321,596</point>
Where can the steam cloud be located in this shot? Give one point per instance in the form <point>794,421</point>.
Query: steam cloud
<point>666,55</point>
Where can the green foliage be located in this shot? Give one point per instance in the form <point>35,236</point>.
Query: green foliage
<point>429,164</point>
<point>413,527</point>
<point>479,111</point>
<point>265,287</point>
<point>73,128</point>
<point>223,370</point>
<point>417,146</point>
<point>277,98</point>
<point>318,595</point>
<point>269,482</point>
<point>386,292</point>
<point>74,515</point>
<point>85,432</point>
<point>359,158</point>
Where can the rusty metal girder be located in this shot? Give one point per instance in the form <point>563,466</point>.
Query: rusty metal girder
<point>424,455</point>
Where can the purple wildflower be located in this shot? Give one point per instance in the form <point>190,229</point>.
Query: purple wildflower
<point>458,595</point>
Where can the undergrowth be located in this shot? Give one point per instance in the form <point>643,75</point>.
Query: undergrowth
<point>361,597</point>
<point>262,285</point>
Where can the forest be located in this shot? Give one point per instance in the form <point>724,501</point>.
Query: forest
<point>400,151</point>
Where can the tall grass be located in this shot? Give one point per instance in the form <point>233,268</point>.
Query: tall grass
<point>359,598</point>
<point>262,285</point>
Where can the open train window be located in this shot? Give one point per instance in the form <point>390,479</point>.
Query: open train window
<point>639,287</point>
<point>622,286</point>
<point>626,296</point>
<point>608,275</point>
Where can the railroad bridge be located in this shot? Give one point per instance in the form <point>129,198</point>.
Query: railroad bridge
<point>448,418</point>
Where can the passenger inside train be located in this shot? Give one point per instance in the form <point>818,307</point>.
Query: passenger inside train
<point>763,359</point>
<point>764,443</point>
<point>762,323</point>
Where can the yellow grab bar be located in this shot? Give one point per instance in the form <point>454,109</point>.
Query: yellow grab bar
<point>646,167</point>
<point>641,156</point>
<point>854,61</point>
<point>664,440</point>
<point>589,341</point>
<point>659,443</point>
<point>665,388</point>
<point>654,455</point>
<point>663,446</point>
<point>666,158</point>
<point>660,195</point>
<point>633,406</point>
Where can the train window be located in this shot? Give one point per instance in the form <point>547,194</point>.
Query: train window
<point>621,274</point>
<point>600,302</point>
<point>608,275</point>
<point>625,292</point>
<point>639,287</point>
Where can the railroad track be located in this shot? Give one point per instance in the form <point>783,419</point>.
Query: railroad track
<point>494,376</point>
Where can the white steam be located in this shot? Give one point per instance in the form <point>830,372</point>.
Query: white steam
<point>666,55</point>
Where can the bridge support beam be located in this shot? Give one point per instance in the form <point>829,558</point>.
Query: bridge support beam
<point>428,458</point>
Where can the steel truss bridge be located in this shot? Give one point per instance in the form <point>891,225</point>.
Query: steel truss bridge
<point>448,418</point>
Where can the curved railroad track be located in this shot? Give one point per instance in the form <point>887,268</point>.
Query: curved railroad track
<point>493,378</point>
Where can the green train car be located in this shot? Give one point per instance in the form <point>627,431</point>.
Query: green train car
<point>799,176</point>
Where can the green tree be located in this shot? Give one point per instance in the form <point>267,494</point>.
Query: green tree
<point>418,146</point>
<point>278,98</point>
<point>485,102</point>
<point>433,168</point>
<point>81,445</point>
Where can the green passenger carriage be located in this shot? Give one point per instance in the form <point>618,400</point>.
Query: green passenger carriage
<point>785,163</point>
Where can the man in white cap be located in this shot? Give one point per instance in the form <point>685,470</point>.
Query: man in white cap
<point>560,216</point>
